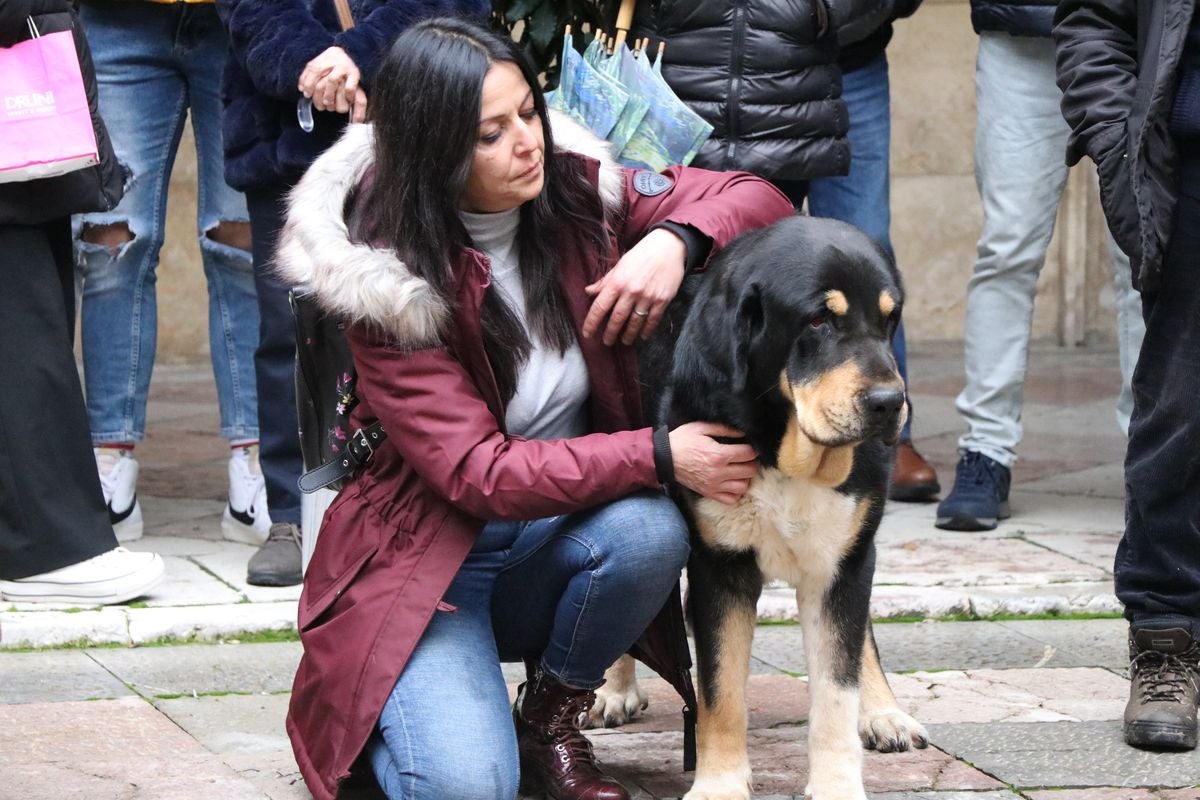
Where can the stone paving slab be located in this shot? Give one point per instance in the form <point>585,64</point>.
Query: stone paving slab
<point>904,647</point>
<point>1012,695</point>
<point>232,723</point>
<point>50,628</point>
<point>1064,755</point>
<point>56,676</point>
<point>209,623</point>
<point>1113,793</point>
<point>203,669</point>
<point>996,795</point>
<point>1096,549</point>
<point>188,584</point>
<point>274,773</point>
<point>113,749</point>
<point>962,560</point>
<point>1079,643</point>
<point>229,564</point>
<point>1058,598</point>
<point>1106,480</point>
<point>779,760</point>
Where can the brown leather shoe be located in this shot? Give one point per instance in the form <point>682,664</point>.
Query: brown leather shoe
<point>913,478</point>
<point>555,757</point>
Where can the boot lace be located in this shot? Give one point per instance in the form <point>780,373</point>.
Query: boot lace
<point>570,744</point>
<point>1166,677</point>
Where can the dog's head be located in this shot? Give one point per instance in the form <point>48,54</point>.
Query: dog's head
<point>817,302</point>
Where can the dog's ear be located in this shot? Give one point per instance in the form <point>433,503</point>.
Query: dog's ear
<point>748,324</point>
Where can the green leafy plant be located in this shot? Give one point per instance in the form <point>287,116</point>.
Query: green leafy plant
<point>538,26</point>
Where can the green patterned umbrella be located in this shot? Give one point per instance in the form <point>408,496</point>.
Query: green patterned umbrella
<point>621,98</point>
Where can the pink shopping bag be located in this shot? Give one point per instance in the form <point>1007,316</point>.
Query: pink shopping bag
<point>45,124</point>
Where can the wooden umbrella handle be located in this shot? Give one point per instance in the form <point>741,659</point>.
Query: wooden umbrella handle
<point>624,20</point>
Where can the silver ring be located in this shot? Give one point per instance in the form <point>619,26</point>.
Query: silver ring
<point>638,313</point>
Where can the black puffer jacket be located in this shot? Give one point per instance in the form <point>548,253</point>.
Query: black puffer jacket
<point>1117,69</point>
<point>90,189</point>
<point>764,74</point>
<point>1018,17</point>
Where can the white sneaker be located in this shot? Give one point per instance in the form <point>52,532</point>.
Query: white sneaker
<point>118,478</point>
<point>245,519</point>
<point>113,577</point>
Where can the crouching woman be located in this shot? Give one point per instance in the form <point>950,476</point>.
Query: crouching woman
<point>493,278</point>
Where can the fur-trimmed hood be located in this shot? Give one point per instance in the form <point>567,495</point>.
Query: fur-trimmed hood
<point>368,285</point>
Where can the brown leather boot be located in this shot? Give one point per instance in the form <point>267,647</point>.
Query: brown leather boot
<point>555,757</point>
<point>1161,713</point>
<point>913,478</point>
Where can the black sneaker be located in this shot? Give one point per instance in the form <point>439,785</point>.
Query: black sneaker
<point>979,498</point>
<point>1163,672</point>
<point>277,562</point>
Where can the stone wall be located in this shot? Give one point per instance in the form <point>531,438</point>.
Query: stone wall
<point>936,214</point>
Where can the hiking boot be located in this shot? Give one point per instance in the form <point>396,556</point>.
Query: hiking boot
<point>555,757</point>
<point>980,495</point>
<point>246,519</point>
<point>118,471</point>
<point>1164,667</point>
<point>277,562</point>
<point>113,577</point>
<point>913,478</point>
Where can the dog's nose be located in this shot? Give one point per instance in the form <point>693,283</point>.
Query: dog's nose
<point>883,403</point>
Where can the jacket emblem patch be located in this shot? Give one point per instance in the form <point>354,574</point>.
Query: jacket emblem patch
<point>651,184</point>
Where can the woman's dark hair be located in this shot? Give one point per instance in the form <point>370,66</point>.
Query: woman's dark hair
<point>425,106</point>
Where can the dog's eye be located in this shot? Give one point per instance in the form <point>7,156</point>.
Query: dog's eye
<point>819,320</point>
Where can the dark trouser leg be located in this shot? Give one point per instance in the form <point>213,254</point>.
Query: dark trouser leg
<point>275,361</point>
<point>52,512</point>
<point>1158,559</point>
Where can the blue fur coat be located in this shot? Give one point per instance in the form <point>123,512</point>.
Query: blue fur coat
<point>271,42</point>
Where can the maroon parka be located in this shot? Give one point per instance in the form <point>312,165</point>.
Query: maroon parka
<point>395,536</point>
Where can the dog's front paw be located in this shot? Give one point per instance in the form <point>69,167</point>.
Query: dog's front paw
<point>838,787</point>
<point>724,786</point>
<point>616,703</point>
<point>891,730</point>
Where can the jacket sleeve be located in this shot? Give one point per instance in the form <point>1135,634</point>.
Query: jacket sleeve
<point>854,20</point>
<point>720,205</point>
<point>370,37</point>
<point>1096,54</point>
<point>14,12</point>
<point>444,429</point>
<point>274,40</point>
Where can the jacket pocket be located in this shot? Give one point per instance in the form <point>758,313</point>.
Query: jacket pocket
<point>310,615</point>
<point>1114,167</point>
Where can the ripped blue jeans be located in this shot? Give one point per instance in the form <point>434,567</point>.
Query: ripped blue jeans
<point>155,63</point>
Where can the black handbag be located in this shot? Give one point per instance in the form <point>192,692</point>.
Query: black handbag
<point>325,382</point>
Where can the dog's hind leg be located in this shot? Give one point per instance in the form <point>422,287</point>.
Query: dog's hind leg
<point>723,592</point>
<point>834,618</point>
<point>620,699</point>
<point>881,724</point>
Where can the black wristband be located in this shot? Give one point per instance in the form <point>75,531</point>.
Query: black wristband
<point>664,465</point>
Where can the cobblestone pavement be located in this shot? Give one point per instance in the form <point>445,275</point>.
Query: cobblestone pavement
<point>1017,706</point>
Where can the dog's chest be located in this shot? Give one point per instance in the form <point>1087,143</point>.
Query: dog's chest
<point>799,531</point>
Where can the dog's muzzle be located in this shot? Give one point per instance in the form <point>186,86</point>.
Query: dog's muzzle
<point>883,411</point>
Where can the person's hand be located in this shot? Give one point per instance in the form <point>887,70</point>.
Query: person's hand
<point>635,293</point>
<point>358,112</point>
<point>720,472</point>
<point>331,80</point>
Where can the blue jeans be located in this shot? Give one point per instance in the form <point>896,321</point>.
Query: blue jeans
<point>862,197</point>
<point>275,360</point>
<point>154,62</point>
<point>573,591</point>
